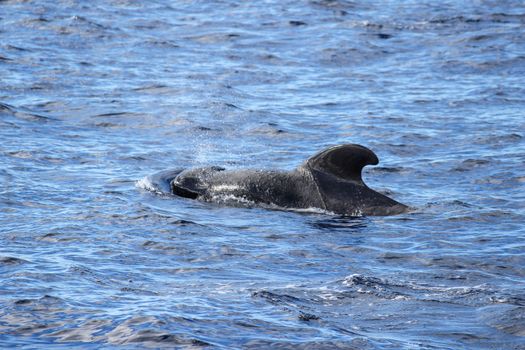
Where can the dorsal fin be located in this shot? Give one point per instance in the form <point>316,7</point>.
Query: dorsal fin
<point>344,161</point>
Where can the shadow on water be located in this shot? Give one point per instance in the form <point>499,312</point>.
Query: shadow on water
<point>24,114</point>
<point>340,223</point>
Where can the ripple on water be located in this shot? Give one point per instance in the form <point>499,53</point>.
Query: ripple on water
<point>12,261</point>
<point>94,98</point>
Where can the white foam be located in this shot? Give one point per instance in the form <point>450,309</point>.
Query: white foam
<point>147,184</point>
<point>144,183</point>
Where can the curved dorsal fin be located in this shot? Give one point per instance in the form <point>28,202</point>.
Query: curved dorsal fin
<point>344,161</point>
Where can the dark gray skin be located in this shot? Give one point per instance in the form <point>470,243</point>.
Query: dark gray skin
<point>330,180</point>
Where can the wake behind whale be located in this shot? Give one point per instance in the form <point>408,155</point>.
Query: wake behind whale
<point>330,180</point>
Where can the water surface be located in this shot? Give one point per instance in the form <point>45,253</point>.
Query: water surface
<point>96,96</point>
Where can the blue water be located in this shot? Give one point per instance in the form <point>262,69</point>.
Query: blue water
<point>95,96</point>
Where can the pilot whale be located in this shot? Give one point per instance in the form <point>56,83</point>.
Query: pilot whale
<point>329,180</point>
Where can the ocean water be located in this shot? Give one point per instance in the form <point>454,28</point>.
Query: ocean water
<point>96,96</point>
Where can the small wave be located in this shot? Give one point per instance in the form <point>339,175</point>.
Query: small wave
<point>471,164</point>
<point>10,260</point>
<point>158,183</point>
<point>378,287</point>
<point>384,169</point>
<point>498,140</point>
<point>510,321</point>
<point>269,129</point>
<point>24,114</point>
<point>146,184</point>
<point>477,295</point>
<point>46,301</point>
<point>450,205</point>
<point>276,298</point>
<point>339,222</point>
<point>151,338</point>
